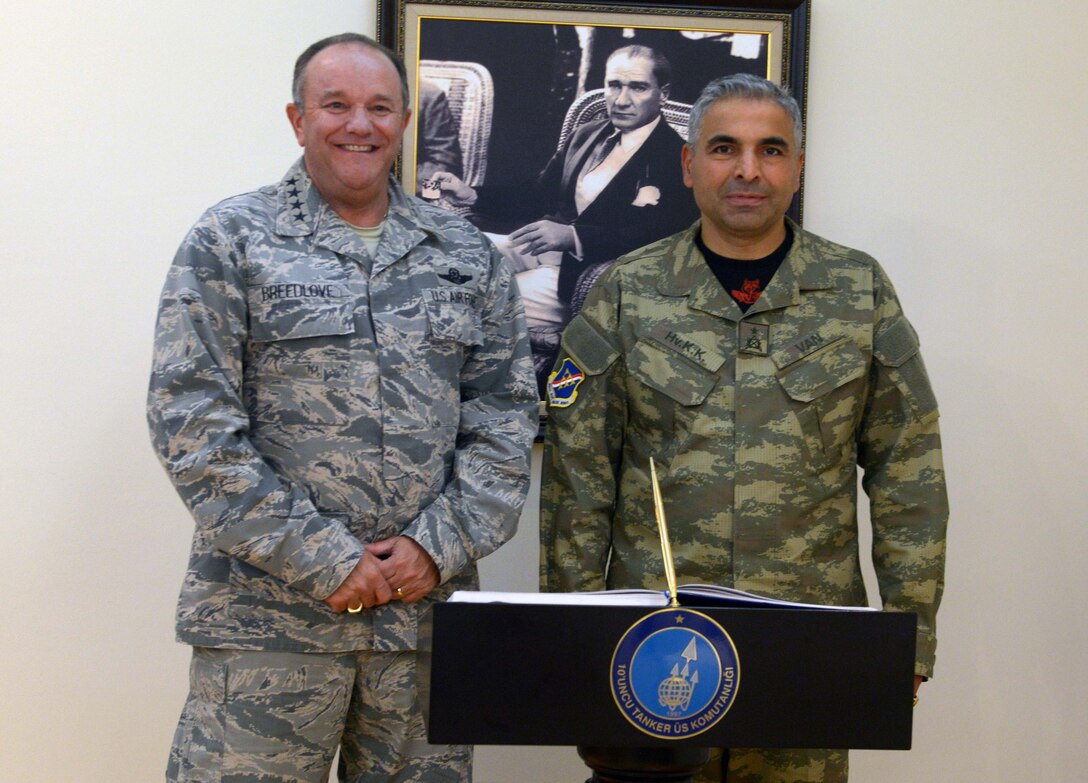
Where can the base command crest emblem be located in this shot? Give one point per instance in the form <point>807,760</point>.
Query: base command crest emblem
<point>675,673</point>
<point>563,384</point>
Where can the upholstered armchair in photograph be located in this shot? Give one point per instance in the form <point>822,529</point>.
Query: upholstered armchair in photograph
<point>471,94</point>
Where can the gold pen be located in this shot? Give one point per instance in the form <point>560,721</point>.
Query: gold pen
<point>663,531</point>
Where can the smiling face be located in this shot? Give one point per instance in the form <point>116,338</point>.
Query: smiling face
<point>744,169</point>
<point>631,91</point>
<point>350,128</point>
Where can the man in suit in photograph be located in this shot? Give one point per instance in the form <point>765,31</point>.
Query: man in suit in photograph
<point>615,185</point>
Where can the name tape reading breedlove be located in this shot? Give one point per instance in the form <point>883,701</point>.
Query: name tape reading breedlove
<point>675,673</point>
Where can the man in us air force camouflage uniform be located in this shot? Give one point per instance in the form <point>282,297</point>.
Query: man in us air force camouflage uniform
<point>759,399</point>
<point>343,395</point>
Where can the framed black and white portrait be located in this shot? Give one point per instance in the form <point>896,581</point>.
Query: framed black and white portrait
<point>514,101</point>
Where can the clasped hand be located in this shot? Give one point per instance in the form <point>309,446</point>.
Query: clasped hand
<point>393,569</point>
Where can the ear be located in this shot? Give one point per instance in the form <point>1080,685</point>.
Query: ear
<point>685,163</point>
<point>295,117</point>
<point>665,92</point>
<point>800,168</point>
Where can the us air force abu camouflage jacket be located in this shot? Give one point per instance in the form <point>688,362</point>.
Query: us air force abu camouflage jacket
<point>306,399</point>
<point>757,425</point>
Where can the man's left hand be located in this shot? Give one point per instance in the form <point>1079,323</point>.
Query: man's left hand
<point>543,235</point>
<point>406,566</point>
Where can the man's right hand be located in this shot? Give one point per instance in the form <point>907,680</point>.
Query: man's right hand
<point>364,587</point>
<point>455,189</point>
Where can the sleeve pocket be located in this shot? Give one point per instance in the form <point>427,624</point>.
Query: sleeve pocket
<point>896,348</point>
<point>590,350</point>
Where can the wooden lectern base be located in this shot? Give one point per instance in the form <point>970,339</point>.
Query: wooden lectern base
<point>643,765</point>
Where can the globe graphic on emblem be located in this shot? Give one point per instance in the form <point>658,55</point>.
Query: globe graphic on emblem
<point>674,692</point>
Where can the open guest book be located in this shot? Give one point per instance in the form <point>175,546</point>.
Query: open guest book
<point>690,595</point>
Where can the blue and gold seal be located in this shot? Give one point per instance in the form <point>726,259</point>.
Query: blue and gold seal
<point>675,673</point>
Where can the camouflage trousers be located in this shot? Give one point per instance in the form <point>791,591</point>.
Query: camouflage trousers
<point>277,717</point>
<point>752,765</point>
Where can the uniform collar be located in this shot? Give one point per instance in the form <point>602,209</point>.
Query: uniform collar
<point>301,211</point>
<point>692,277</point>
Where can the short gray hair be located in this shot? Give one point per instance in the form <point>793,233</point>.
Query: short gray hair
<point>343,38</point>
<point>659,63</point>
<point>744,86</point>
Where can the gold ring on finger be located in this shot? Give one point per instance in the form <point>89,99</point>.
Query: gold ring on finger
<point>355,609</point>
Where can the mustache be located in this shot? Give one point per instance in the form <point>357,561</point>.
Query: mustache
<point>734,188</point>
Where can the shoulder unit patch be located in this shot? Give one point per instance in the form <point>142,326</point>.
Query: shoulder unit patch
<point>563,384</point>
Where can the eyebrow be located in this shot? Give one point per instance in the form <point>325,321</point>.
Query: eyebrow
<point>768,141</point>
<point>629,84</point>
<point>341,93</point>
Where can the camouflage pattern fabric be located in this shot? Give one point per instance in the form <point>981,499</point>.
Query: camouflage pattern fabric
<point>787,766</point>
<point>758,425</point>
<point>761,765</point>
<point>286,712</point>
<point>306,398</point>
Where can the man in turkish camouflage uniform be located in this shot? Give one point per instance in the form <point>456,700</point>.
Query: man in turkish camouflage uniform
<point>759,399</point>
<point>343,395</point>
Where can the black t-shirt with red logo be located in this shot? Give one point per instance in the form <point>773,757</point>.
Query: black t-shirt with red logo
<point>745,280</point>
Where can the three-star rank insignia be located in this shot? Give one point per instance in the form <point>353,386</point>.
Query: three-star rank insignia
<point>456,276</point>
<point>563,384</point>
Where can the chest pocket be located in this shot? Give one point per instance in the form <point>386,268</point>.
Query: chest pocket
<point>667,399</point>
<point>813,376</point>
<point>454,321</point>
<point>827,410</point>
<point>298,369</point>
<point>303,310</point>
<point>670,374</point>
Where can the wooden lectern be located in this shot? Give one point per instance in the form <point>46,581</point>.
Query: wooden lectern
<point>532,674</point>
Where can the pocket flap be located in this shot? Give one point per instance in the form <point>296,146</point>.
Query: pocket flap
<point>893,346</point>
<point>670,374</point>
<point>821,372</point>
<point>589,348</point>
<point>454,321</point>
<point>293,320</point>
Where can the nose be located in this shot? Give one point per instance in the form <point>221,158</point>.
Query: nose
<point>358,120</point>
<point>747,166</point>
<point>623,97</point>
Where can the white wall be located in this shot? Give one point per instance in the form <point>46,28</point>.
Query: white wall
<point>945,138</point>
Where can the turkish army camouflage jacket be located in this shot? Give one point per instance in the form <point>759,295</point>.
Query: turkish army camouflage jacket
<point>757,425</point>
<point>306,398</point>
